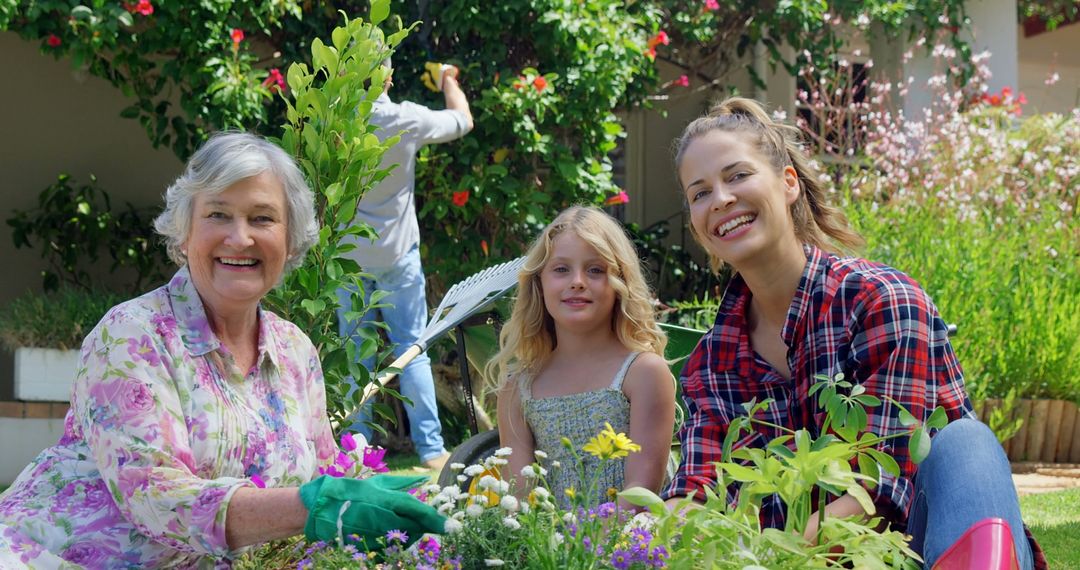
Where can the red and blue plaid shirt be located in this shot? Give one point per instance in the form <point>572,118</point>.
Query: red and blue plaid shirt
<point>870,322</point>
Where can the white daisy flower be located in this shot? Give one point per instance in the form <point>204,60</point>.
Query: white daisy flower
<point>473,511</point>
<point>453,526</point>
<point>509,503</point>
<point>511,523</point>
<point>503,452</point>
<point>473,470</point>
<point>540,454</point>
<point>457,466</point>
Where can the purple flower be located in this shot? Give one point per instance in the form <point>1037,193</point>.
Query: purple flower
<point>397,536</point>
<point>605,510</point>
<point>137,398</point>
<point>373,459</point>
<point>258,481</point>
<point>84,554</point>
<point>429,549</point>
<point>621,559</point>
<point>344,461</point>
<point>348,442</point>
<point>143,349</point>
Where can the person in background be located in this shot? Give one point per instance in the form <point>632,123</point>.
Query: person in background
<point>393,259</point>
<point>794,311</point>
<point>198,419</point>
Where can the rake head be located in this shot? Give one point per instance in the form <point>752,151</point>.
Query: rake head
<point>467,297</point>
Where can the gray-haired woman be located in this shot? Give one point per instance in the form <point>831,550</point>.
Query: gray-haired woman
<point>195,414</point>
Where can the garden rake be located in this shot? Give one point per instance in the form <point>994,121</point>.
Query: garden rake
<point>463,300</point>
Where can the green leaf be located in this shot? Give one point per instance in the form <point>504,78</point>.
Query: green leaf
<point>938,419</point>
<point>125,18</point>
<point>920,445</point>
<point>313,306</point>
<point>906,419</point>
<point>741,473</point>
<point>642,497</point>
<point>380,9</point>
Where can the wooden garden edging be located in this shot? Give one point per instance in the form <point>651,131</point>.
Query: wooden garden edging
<point>1050,432</point>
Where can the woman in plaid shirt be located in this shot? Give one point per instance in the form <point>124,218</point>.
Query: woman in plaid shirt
<point>794,310</point>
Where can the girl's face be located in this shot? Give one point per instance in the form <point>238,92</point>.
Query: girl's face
<point>577,293</point>
<point>739,206</point>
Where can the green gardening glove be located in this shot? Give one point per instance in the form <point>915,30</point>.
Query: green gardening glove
<point>375,507</point>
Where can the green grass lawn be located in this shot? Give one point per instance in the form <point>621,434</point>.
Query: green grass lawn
<point>1054,519</point>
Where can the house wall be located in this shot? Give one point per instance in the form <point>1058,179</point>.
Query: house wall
<point>59,120</point>
<point>1044,54</point>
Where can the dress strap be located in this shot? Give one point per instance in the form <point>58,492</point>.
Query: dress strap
<point>616,384</point>
<point>524,386</point>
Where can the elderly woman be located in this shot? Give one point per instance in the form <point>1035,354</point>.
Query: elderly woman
<point>190,394</point>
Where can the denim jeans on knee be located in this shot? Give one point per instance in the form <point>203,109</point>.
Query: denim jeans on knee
<point>406,319</point>
<point>966,478</point>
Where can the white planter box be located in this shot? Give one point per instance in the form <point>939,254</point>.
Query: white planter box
<point>44,374</point>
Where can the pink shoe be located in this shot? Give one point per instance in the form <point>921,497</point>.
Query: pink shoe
<point>987,545</point>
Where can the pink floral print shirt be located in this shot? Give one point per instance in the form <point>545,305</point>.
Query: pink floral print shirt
<point>163,428</point>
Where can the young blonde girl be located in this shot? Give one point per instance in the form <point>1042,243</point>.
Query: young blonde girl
<point>582,349</point>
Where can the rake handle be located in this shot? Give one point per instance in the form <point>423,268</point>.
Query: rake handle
<point>401,361</point>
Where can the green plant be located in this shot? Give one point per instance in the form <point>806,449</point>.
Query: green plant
<point>803,471</point>
<point>544,78</point>
<point>675,274</point>
<point>58,319</point>
<point>328,108</point>
<point>72,225</point>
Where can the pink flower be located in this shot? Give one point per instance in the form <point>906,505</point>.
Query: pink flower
<point>373,459</point>
<point>275,81</point>
<point>331,470</point>
<point>621,198</point>
<point>143,8</point>
<point>682,81</point>
<point>258,481</point>
<point>53,41</point>
<point>344,461</point>
<point>659,38</point>
<point>348,442</point>
<point>712,5</point>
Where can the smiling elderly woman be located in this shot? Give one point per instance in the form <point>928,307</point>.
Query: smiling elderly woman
<point>191,397</point>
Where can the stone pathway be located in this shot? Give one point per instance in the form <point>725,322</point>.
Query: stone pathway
<point>1031,478</point>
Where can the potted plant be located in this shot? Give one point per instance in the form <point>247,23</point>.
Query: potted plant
<point>74,226</point>
<point>44,331</point>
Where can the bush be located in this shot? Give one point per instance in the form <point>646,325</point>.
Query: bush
<point>59,319</point>
<point>73,225</point>
<point>984,217</point>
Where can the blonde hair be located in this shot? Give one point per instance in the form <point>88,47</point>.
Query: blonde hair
<point>816,222</point>
<point>528,338</point>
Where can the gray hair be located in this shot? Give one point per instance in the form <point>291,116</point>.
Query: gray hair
<point>223,160</point>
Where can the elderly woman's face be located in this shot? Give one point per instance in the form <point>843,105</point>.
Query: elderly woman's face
<point>238,243</point>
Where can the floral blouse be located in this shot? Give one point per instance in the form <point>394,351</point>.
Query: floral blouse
<point>162,429</point>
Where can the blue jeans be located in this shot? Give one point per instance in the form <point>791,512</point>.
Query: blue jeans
<point>406,318</point>
<point>965,479</point>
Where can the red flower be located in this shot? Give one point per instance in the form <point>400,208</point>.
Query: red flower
<point>540,83</point>
<point>460,198</point>
<point>275,81</point>
<point>660,38</point>
<point>651,52</point>
<point>53,41</point>
<point>237,36</point>
<point>519,83</point>
<point>682,81</point>
<point>484,247</point>
<point>144,8</point>
<point>621,198</point>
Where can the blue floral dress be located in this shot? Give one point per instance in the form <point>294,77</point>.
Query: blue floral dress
<point>163,429</point>
<point>579,417</point>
